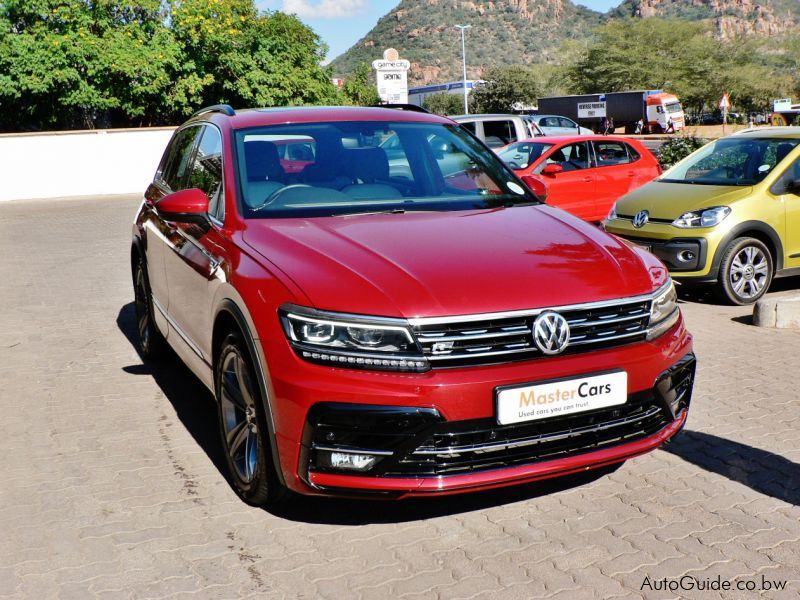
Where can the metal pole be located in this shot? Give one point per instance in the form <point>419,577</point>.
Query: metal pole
<point>464,64</point>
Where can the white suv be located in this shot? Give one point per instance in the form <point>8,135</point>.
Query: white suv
<point>500,130</point>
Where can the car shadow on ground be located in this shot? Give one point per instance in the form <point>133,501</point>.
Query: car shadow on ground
<point>193,403</point>
<point>196,409</point>
<point>761,471</point>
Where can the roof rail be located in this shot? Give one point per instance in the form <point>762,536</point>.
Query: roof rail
<point>220,108</point>
<point>408,107</point>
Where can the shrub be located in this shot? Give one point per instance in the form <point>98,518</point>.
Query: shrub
<point>678,148</point>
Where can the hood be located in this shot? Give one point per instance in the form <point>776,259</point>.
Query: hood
<point>670,200</point>
<point>418,264</point>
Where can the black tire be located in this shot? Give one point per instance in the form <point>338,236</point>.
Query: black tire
<point>150,343</point>
<point>745,272</point>
<point>243,427</point>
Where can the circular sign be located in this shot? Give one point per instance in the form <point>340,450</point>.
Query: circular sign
<point>391,54</point>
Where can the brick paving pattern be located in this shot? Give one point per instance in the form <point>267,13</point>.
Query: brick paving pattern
<point>111,484</point>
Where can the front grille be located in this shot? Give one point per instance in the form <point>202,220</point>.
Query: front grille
<point>474,342</point>
<point>418,443</point>
<point>464,447</point>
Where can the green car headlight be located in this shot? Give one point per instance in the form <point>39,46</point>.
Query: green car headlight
<point>708,217</point>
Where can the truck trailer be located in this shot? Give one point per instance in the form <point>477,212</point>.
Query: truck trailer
<point>655,108</point>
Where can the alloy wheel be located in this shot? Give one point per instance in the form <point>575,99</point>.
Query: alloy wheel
<point>142,307</point>
<point>239,420</point>
<point>749,272</point>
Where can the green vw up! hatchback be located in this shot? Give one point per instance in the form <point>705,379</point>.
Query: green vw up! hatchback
<point>727,215</point>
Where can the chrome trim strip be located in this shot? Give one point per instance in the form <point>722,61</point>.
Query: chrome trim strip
<point>642,331</point>
<point>352,450</point>
<point>438,357</point>
<point>184,336</point>
<point>425,339</point>
<point>576,324</point>
<point>496,447</point>
<point>423,321</point>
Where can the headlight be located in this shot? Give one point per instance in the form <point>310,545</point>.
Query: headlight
<point>702,218</point>
<point>664,311</point>
<point>352,340</point>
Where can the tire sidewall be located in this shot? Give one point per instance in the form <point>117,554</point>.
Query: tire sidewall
<point>259,490</point>
<point>154,345</point>
<point>724,286</point>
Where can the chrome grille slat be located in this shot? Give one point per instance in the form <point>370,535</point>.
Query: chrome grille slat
<point>539,439</point>
<point>508,336</point>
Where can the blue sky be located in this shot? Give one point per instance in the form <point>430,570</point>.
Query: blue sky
<point>341,23</point>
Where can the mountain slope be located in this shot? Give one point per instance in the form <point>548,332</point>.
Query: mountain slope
<point>532,31</point>
<point>730,17</point>
<point>503,32</point>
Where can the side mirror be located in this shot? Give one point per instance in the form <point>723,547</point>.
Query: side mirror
<point>185,206</point>
<point>536,185</point>
<point>793,187</point>
<point>552,169</point>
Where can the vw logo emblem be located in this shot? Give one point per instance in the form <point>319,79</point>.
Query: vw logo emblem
<point>641,219</point>
<point>551,332</point>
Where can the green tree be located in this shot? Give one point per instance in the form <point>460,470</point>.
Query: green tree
<point>359,89</point>
<point>73,63</point>
<point>506,86</point>
<point>444,104</point>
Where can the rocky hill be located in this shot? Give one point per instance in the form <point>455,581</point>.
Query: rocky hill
<point>532,31</point>
<point>503,32</point>
<point>730,17</point>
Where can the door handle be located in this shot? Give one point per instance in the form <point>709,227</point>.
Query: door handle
<point>631,173</point>
<point>587,179</point>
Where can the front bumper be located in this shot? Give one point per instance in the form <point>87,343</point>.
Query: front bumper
<point>686,256</point>
<point>454,409</point>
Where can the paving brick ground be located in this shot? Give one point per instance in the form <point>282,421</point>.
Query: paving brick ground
<point>110,479</point>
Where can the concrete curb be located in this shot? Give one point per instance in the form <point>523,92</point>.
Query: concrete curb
<point>780,313</point>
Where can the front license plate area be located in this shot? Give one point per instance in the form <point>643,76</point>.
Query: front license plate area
<point>532,402</point>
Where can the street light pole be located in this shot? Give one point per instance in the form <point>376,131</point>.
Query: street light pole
<point>463,28</point>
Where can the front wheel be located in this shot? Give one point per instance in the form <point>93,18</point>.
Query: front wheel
<point>243,427</point>
<point>745,272</point>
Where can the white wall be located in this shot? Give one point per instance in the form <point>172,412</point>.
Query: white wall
<point>85,163</point>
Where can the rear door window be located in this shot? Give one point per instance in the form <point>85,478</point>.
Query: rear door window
<point>499,133</point>
<point>177,166</point>
<point>611,153</point>
<point>571,157</point>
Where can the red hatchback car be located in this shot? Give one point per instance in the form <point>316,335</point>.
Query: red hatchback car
<point>389,327</point>
<point>584,175</point>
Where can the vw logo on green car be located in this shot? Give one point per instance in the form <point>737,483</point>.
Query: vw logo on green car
<point>728,215</point>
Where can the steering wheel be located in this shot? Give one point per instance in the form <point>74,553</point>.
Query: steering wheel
<point>277,194</point>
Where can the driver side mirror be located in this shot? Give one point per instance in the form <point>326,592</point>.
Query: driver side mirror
<point>185,206</point>
<point>536,185</point>
<point>552,169</point>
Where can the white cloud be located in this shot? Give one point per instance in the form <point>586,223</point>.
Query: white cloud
<point>324,9</point>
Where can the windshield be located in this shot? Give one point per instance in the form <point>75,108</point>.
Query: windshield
<point>731,161</point>
<point>674,107</point>
<point>522,154</point>
<point>369,166</point>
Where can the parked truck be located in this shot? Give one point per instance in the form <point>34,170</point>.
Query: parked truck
<point>655,108</point>
<point>784,112</point>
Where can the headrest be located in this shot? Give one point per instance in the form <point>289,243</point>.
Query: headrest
<point>368,164</point>
<point>263,163</point>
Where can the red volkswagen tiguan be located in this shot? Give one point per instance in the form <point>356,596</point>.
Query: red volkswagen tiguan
<point>402,316</point>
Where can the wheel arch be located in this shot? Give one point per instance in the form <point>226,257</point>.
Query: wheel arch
<point>230,318</point>
<point>754,229</point>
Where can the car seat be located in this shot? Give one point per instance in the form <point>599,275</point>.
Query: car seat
<point>370,170</point>
<point>262,162</point>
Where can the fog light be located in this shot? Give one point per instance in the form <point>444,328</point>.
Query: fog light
<point>351,461</point>
<point>686,256</point>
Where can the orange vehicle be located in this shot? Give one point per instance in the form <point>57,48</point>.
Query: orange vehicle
<point>584,175</point>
